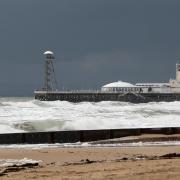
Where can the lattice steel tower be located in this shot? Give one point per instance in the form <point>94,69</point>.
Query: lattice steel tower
<point>50,83</point>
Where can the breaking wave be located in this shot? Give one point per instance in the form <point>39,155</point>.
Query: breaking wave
<point>27,114</point>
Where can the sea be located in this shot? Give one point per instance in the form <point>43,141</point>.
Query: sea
<point>25,114</point>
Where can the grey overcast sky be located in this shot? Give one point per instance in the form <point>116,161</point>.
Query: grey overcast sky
<point>95,42</point>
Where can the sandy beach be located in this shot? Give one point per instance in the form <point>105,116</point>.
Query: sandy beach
<point>156,162</point>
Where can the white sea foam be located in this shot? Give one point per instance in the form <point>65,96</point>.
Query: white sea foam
<point>86,144</point>
<point>17,162</point>
<point>27,114</point>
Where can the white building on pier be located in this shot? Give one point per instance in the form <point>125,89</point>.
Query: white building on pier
<point>173,86</point>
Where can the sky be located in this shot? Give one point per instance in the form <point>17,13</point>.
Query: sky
<point>95,42</point>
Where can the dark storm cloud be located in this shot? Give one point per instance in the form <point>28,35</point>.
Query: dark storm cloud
<point>95,40</point>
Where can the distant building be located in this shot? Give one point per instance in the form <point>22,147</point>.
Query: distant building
<point>120,86</point>
<point>124,87</point>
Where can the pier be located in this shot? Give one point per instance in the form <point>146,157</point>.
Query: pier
<point>97,96</point>
<point>116,91</point>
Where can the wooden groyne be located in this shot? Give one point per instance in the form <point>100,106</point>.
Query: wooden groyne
<point>97,96</point>
<point>80,135</point>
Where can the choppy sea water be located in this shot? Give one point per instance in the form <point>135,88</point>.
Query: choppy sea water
<point>29,115</point>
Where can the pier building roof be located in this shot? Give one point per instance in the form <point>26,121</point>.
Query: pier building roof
<point>152,84</point>
<point>118,84</point>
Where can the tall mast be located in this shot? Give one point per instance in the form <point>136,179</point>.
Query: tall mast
<point>178,72</point>
<point>50,83</point>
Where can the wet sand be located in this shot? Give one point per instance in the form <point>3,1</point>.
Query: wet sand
<point>97,163</point>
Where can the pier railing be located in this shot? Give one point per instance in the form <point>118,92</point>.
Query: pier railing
<point>97,91</point>
<point>70,91</point>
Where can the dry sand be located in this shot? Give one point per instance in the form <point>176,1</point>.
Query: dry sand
<point>96,163</point>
